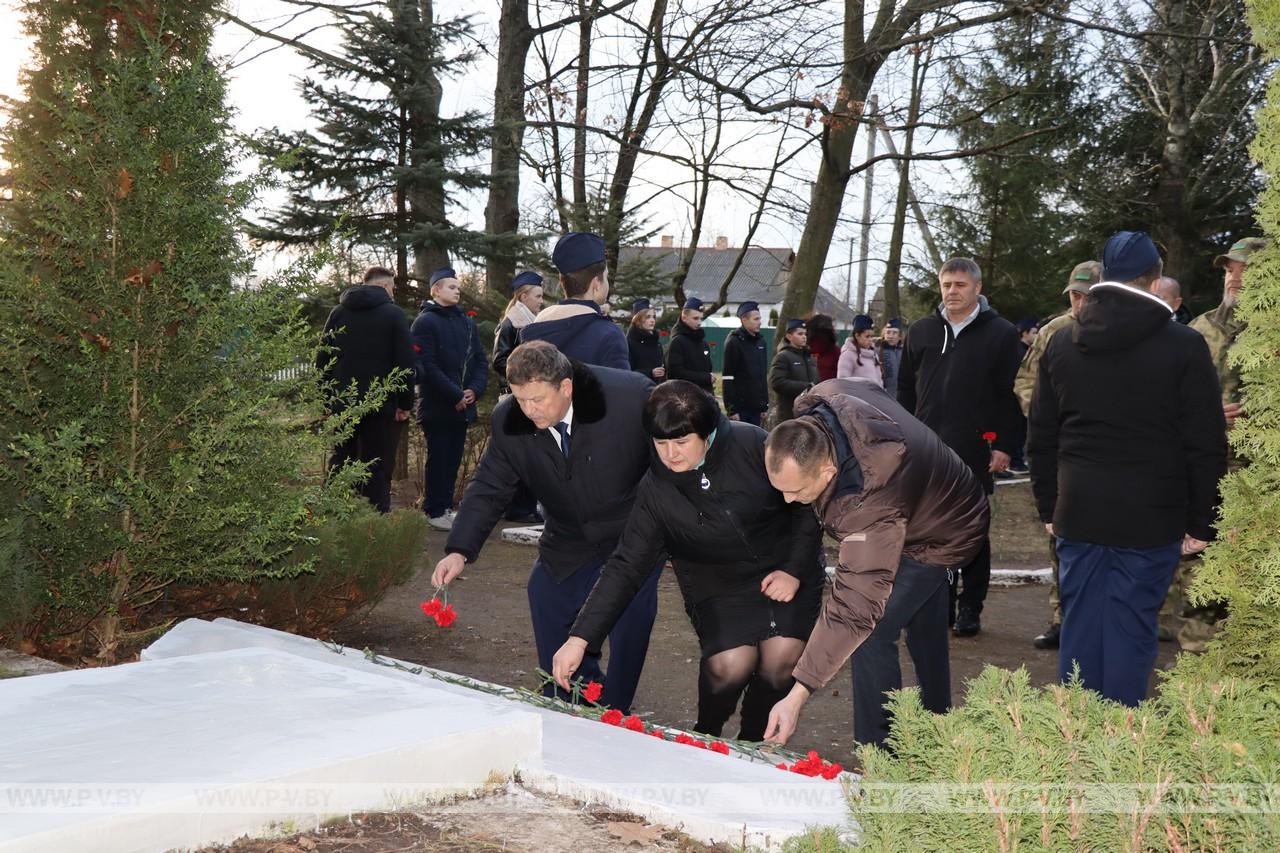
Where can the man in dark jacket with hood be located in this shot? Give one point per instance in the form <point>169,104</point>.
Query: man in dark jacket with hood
<point>1128,441</point>
<point>688,356</point>
<point>575,436</point>
<point>958,366</point>
<point>366,338</point>
<point>576,325</point>
<point>746,368</point>
<point>794,369</point>
<point>453,372</point>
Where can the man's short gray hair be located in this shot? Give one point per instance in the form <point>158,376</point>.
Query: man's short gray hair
<point>800,440</point>
<point>538,361</point>
<point>968,266</point>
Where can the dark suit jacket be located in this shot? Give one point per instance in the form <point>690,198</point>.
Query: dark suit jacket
<point>585,498</point>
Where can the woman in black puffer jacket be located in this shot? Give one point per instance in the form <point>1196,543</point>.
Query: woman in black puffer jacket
<point>643,342</point>
<point>747,562</point>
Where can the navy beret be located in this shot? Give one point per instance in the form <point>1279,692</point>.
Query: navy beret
<point>1128,255</point>
<point>439,274</point>
<point>693,303</point>
<point>526,278</point>
<point>577,250</point>
<point>795,323</point>
<point>639,305</point>
<point>747,307</point>
<point>862,322</point>
<point>894,323</point>
<point>1026,324</point>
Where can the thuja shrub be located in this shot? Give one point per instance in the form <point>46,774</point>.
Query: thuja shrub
<point>147,434</point>
<point>1193,768</point>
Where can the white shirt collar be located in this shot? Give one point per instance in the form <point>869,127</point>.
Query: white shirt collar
<point>568,419</point>
<point>956,328</point>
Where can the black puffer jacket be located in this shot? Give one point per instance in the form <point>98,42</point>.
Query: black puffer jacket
<point>645,349</point>
<point>962,386</point>
<point>746,373</point>
<point>1127,436</point>
<point>689,357</point>
<point>721,537</point>
<point>792,372</point>
<point>366,337</point>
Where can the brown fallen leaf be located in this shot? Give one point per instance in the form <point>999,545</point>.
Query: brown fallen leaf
<point>124,183</point>
<point>644,834</point>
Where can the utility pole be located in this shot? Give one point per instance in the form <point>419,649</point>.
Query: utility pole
<point>872,108</point>
<point>893,271</point>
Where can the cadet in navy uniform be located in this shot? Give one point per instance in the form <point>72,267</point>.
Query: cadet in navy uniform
<point>576,325</point>
<point>575,436</point>
<point>746,368</point>
<point>688,356</point>
<point>643,342</point>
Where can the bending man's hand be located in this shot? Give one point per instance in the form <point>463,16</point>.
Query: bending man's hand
<point>567,661</point>
<point>999,461</point>
<point>779,585</point>
<point>448,569</point>
<point>1231,411</point>
<point>786,715</point>
<point>1192,545</point>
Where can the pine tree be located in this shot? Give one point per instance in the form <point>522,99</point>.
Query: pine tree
<point>143,436</point>
<point>382,165</point>
<point>1013,217</point>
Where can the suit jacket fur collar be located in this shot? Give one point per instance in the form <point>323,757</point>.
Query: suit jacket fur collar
<point>588,403</point>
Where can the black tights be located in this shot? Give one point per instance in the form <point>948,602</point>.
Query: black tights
<point>763,669</point>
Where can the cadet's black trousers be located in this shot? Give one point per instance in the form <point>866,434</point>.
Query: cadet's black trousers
<point>374,441</point>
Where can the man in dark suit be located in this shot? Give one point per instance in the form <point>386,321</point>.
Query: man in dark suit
<point>574,435</point>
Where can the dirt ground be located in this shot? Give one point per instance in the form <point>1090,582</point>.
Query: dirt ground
<point>492,639</point>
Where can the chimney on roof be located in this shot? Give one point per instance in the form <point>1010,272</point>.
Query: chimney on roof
<point>722,242</point>
<point>667,241</point>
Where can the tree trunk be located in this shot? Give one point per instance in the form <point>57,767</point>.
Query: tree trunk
<point>502,213</point>
<point>581,219</point>
<point>426,194</point>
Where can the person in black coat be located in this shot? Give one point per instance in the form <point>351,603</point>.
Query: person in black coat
<point>745,376</point>
<point>958,367</point>
<point>748,563</point>
<point>366,337</point>
<point>643,342</point>
<point>1127,443</point>
<point>574,435</point>
<point>526,302</point>
<point>688,356</point>
<point>453,372</point>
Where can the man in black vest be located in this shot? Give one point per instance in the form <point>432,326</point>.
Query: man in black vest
<point>746,368</point>
<point>574,435</point>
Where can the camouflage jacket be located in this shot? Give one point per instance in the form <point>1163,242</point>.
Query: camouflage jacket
<point>1024,384</point>
<point>1219,328</point>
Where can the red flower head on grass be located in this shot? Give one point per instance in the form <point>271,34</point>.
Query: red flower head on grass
<point>633,723</point>
<point>611,717</point>
<point>592,691</point>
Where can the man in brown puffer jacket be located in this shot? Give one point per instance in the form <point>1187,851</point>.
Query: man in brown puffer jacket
<point>907,512</point>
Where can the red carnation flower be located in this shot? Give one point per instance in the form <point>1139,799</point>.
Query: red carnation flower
<point>683,738</point>
<point>472,313</point>
<point>720,747</point>
<point>782,766</point>
<point>633,723</point>
<point>663,334</point>
<point>831,771</point>
<point>988,436</point>
<point>611,717</point>
<point>432,608</point>
<point>592,691</point>
<point>417,348</point>
<point>447,616</point>
<point>657,733</point>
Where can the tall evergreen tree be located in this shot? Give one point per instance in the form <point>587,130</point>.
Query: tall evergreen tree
<point>382,162</point>
<point>143,438</point>
<point>1015,217</point>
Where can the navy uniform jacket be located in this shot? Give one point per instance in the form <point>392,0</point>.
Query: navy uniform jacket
<point>586,498</point>
<point>578,329</point>
<point>449,359</point>
<point>746,373</point>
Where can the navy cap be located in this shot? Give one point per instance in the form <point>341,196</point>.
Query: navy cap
<point>525,279</point>
<point>639,305</point>
<point>795,323</point>
<point>693,303</point>
<point>1128,255</point>
<point>577,250</point>
<point>894,323</point>
<point>862,322</point>
<point>747,307</point>
<point>446,272</point>
<point>1026,324</point>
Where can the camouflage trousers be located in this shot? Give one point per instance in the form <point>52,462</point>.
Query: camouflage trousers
<point>1055,603</point>
<point>1193,625</point>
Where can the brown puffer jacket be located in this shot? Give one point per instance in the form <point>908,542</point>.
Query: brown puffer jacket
<point>900,492</point>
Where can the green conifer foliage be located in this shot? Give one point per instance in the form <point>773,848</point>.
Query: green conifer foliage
<point>144,436</point>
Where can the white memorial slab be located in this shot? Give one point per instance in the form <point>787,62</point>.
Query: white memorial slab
<point>198,749</point>
<point>712,798</point>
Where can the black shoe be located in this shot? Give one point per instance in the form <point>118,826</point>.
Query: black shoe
<point>1019,470</point>
<point>967,623</point>
<point>1049,639</point>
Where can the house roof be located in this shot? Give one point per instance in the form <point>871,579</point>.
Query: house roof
<point>762,276</point>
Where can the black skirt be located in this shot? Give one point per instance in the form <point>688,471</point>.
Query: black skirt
<point>745,616</point>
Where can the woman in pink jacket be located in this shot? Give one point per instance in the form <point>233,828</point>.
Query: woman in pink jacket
<point>858,356</point>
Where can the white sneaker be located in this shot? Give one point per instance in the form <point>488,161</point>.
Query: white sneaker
<point>442,522</point>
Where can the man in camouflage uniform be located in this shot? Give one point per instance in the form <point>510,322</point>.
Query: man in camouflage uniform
<point>1083,277</point>
<point>1219,327</point>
